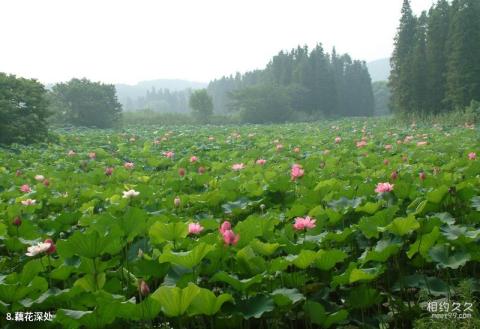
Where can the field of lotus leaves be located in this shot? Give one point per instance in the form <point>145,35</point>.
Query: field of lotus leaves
<point>343,224</point>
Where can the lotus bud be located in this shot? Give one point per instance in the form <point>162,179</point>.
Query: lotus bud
<point>143,288</point>
<point>17,221</point>
<point>181,172</point>
<point>177,202</point>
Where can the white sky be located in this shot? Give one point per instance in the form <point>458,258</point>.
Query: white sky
<point>129,41</point>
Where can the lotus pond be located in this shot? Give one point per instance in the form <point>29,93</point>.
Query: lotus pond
<point>343,224</point>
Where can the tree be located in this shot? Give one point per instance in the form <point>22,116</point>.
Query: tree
<point>419,70</point>
<point>437,33</point>
<point>86,103</point>
<point>399,82</point>
<point>317,83</point>
<point>266,103</point>
<point>23,110</point>
<point>201,105</point>
<point>463,49</point>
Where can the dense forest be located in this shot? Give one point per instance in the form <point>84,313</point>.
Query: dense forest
<point>318,83</point>
<point>436,61</point>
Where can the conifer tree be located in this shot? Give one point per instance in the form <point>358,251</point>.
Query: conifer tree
<point>463,49</point>
<point>402,91</point>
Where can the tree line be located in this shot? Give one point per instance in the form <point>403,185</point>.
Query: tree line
<point>311,83</point>
<point>436,60</point>
<point>162,100</point>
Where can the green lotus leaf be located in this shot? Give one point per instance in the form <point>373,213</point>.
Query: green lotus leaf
<point>327,259</point>
<point>446,256</point>
<point>383,250</point>
<point>253,307</point>
<point>285,296</point>
<point>304,259</point>
<point>175,301</point>
<point>161,232</point>
<point>239,285</point>
<point>423,243</point>
<point>188,259</point>
<point>369,225</point>
<point>88,244</point>
<point>264,248</point>
<point>363,297</point>
<point>207,303</point>
<point>437,194</point>
<point>403,225</point>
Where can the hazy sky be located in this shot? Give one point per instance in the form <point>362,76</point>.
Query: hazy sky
<point>129,41</point>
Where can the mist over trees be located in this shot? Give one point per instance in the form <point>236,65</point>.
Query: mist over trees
<point>202,106</point>
<point>161,100</point>
<point>436,61</point>
<point>381,94</point>
<point>313,83</point>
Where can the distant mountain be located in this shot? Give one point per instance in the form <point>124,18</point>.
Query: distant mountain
<point>125,91</point>
<point>379,69</point>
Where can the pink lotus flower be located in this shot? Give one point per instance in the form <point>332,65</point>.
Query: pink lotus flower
<point>261,162</point>
<point>384,187</point>
<point>386,162</point>
<point>230,238</point>
<point>71,153</point>
<point>201,170</point>
<point>279,147</point>
<point>304,223</point>
<point>29,202</point>
<point>25,188</point>
<point>109,171</point>
<point>296,172</point>
<point>422,175</point>
<point>225,227</point>
<point>195,228</point>
<point>52,248</point>
<point>296,150</point>
<point>407,139</point>
<point>388,147</point>
<point>39,248</point>
<point>92,155</point>
<point>472,156</point>
<point>46,182</point>
<point>193,159</point>
<point>128,165</point>
<point>169,154</point>
<point>361,143</point>
<point>238,166</point>
<point>338,140</point>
